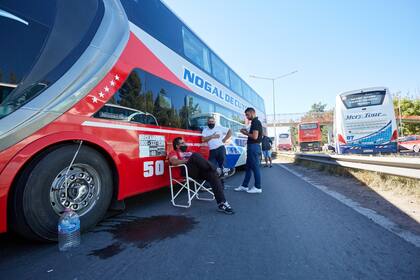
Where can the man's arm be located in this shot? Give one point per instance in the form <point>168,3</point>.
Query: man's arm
<point>253,134</point>
<point>228,135</point>
<point>175,161</point>
<point>208,138</point>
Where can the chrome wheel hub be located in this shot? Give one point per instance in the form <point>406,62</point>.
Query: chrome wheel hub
<point>79,192</point>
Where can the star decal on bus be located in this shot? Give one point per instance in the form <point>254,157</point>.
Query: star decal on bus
<point>101,95</point>
<point>117,78</point>
<point>112,83</point>
<point>94,99</point>
<point>106,89</point>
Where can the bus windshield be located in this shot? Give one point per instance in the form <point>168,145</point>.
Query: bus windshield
<point>308,126</point>
<point>363,99</point>
<point>284,135</point>
<point>41,45</point>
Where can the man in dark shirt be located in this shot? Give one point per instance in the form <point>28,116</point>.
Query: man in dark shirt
<point>266,143</point>
<point>253,153</point>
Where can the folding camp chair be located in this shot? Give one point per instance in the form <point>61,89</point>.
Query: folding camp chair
<point>190,185</point>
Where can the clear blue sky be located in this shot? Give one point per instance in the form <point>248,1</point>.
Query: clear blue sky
<point>334,45</point>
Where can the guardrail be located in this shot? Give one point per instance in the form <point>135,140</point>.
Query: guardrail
<point>406,167</point>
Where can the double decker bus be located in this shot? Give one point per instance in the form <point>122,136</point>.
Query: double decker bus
<point>364,122</point>
<point>92,94</point>
<point>309,136</point>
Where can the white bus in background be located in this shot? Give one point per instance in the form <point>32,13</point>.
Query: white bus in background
<point>284,141</point>
<point>364,122</point>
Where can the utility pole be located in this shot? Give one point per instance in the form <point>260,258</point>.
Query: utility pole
<point>274,100</point>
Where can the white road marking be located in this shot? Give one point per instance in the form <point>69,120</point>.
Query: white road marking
<point>369,213</point>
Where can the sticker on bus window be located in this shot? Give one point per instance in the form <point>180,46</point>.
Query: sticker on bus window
<point>151,146</point>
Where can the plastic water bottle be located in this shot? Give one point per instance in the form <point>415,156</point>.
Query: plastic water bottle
<point>68,230</point>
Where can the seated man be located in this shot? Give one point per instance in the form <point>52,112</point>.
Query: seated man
<point>199,168</point>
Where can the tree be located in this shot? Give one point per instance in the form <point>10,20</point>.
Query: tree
<point>317,108</point>
<point>409,107</point>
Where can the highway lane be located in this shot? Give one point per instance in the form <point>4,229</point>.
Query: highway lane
<point>290,231</point>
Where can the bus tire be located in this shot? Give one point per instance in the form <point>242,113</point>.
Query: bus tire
<point>34,208</point>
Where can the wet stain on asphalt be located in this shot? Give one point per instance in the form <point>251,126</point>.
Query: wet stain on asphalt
<point>139,232</point>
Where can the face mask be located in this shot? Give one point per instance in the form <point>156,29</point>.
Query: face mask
<point>183,148</point>
<point>210,125</point>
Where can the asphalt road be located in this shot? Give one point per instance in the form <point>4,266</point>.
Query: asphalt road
<point>290,231</point>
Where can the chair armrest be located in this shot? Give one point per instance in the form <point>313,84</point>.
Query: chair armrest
<point>178,166</point>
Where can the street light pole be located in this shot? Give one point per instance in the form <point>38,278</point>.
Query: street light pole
<point>274,103</point>
<point>274,118</point>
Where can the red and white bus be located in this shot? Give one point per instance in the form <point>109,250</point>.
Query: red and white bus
<point>92,93</point>
<point>309,136</point>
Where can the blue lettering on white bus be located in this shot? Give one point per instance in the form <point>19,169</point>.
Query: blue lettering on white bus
<point>207,86</point>
<point>200,82</point>
<point>189,76</point>
<point>215,91</point>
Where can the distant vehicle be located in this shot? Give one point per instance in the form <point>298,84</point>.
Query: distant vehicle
<point>365,122</point>
<point>284,142</point>
<point>409,143</point>
<point>121,113</point>
<point>236,148</point>
<point>309,136</point>
<point>328,148</point>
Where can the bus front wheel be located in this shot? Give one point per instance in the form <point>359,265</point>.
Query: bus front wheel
<point>50,185</point>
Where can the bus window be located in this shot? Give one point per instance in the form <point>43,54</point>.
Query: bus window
<point>143,119</point>
<point>364,99</point>
<point>195,50</point>
<point>114,112</point>
<point>219,69</point>
<point>224,122</point>
<point>235,83</point>
<point>5,91</point>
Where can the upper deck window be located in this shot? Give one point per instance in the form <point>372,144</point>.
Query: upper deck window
<point>235,83</point>
<point>219,69</point>
<point>363,99</point>
<point>284,135</point>
<point>195,50</point>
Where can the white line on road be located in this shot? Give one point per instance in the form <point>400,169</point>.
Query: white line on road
<point>369,213</point>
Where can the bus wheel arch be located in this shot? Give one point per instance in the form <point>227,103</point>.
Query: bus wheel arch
<point>23,221</point>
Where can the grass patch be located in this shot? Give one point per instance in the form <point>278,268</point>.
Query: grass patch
<point>375,180</point>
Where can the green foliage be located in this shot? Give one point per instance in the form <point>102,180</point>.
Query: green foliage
<point>317,108</point>
<point>409,107</point>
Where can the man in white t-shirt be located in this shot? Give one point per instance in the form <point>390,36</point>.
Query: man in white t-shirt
<point>216,136</point>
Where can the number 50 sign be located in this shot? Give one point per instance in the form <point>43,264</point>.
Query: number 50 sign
<point>151,168</point>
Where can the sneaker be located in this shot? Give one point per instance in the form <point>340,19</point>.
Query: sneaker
<point>254,190</point>
<point>225,208</point>
<point>241,189</point>
<point>271,166</point>
<point>226,171</point>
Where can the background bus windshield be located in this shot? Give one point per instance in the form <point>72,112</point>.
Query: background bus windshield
<point>308,126</point>
<point>363,99</point>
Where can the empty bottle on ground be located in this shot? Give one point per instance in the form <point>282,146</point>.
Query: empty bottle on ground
<point>68,230</point>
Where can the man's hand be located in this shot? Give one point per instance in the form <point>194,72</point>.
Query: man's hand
<point>215,136</point>
<point>244,131</point>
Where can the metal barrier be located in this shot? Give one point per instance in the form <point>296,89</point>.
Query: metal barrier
<point>406,167</point>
